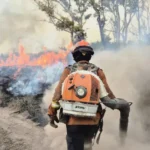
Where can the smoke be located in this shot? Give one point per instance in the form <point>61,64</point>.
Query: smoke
<point>127,73</point>
<point>128,76</point>
<point>34,81</point>
<point>21,21</point>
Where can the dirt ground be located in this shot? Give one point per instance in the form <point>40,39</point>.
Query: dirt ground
<point>19,133</point>
<point>16,132</point>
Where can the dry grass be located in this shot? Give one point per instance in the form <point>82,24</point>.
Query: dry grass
<point>28,104</point>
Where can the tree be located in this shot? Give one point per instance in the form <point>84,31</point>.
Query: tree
<point>130,9</point>
<point>143,18</point>
<point>147,20</point>
<point>98,7</point>
<point>77,9</point>
<point>112,6</point>
<point>121,23</point>
<point>142,29</point>
<point>108,10</point>
<point>74,18</point>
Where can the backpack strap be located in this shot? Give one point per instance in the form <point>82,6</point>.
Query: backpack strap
<point>93,68</point>
<point>85,66</point>
<point>69,67</point>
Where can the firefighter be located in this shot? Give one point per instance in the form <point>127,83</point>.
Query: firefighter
<point>81,131</point>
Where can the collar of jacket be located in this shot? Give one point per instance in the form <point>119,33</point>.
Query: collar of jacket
<point>83,61</point>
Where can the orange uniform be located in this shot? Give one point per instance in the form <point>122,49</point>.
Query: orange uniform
<point>57,96</point>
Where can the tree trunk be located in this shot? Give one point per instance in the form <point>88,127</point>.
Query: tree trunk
<point>125,35</point>
<point>138,19</point>
<point>124,32</point>
<point>148,19</point>
<point>101,29</point>
<point>118,25</point>
<point>72,40</point>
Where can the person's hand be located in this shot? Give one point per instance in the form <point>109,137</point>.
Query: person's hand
<point>52,121</point>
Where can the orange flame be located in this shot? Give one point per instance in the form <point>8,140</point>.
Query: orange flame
<point>45,59</point>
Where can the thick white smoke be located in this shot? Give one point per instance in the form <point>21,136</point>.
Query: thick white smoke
<point>127,73</point>
<point>128,76</point>
<point>21,21</point>
<point>35,81</point>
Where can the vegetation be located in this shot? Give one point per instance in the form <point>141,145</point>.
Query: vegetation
<point>66,15</point>
<point>117,19</point>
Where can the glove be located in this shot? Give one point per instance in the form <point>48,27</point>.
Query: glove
<point>53,118</point>
<point>55,105</point>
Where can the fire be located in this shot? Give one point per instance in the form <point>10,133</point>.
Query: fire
<point>31,74</point>
<point>23,59</point>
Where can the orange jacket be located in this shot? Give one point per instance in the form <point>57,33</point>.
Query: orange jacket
<point>57,97</point>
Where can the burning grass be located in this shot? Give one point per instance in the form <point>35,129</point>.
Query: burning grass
<point>31,72</point>
<point>24,78</point>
